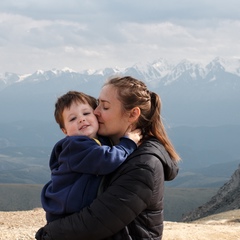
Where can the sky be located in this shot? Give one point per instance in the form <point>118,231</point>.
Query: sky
<point>95,34</point>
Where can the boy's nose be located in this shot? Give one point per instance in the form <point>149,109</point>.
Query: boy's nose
<point>81,120</point>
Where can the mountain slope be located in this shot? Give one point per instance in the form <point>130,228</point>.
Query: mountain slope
<point>226,199</point>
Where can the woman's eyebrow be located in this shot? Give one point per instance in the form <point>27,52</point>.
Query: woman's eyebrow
<point>101,100</point>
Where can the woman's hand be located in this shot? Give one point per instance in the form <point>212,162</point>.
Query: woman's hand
<point>41,235</point>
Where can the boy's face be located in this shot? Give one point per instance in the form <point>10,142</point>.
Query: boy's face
<point>79,120</point>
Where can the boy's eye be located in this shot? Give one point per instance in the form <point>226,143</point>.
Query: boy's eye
<point>72,119</point>
<point>87,113</point>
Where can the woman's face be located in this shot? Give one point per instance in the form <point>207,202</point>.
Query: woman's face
<point>113,122</point>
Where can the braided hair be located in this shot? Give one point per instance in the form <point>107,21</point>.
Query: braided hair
<point>134,93</point>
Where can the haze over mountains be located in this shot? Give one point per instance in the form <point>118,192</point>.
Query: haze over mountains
<point>192,94</point>
<point>201,109</point>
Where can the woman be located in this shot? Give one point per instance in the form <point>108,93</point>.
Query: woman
<point>130,202</point>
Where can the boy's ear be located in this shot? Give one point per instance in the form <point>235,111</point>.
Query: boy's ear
<point>134,114</point>
<point>64,131</point>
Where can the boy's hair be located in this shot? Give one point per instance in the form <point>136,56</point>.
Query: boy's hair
<point>66,100</point>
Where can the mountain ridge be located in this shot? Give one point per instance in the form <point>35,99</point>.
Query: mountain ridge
<point>157,69</point>
<point>191,95</point>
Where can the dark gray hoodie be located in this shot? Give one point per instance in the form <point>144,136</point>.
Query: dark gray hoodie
<point>131,204</point>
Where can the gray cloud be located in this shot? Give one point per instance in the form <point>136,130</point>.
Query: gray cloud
<point>95,34</point>
<point>124,10</point>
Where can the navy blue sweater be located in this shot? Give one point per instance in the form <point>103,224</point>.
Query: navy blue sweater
<point>77,165</point>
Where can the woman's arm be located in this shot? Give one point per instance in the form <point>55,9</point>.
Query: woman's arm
<point>128,194</point>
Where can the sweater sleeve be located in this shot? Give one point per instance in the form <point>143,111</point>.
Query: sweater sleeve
<point>129,193</point>
<point>84,155</point>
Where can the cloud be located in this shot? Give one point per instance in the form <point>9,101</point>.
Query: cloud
<point>134,10</point>
<point>95,34</point>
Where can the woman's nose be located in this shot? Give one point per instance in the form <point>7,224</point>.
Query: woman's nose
<point>96,111</point>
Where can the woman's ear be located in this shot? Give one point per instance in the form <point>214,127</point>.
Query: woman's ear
<point>134,114</point>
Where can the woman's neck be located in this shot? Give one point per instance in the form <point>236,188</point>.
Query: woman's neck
<point>115,140</point>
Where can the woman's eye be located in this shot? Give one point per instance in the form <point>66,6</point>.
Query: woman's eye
<point>105,107</point>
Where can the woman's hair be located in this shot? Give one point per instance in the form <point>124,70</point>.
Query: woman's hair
<point>134,93</point>
<point>66,100</point>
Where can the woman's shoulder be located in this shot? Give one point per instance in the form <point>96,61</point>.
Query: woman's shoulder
<point>152,146</point>
<point>152,154</point>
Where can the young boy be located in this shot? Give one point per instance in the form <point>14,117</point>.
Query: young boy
<point>78,161</point>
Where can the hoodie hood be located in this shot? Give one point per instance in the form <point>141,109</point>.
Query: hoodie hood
<point>153,147</point>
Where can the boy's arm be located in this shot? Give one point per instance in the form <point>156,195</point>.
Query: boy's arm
<point>112,157</point>
<point>84,155</point>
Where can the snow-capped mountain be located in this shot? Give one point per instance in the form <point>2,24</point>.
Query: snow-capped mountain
<point>201,102</point>
<point>159,70</point>
<point>192,94</point>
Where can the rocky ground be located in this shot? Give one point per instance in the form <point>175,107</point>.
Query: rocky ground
<point>22,225</point>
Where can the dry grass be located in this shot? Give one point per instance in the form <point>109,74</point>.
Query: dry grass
<point>22,225</point>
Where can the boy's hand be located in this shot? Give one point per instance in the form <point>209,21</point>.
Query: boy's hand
<point>135,135</point>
